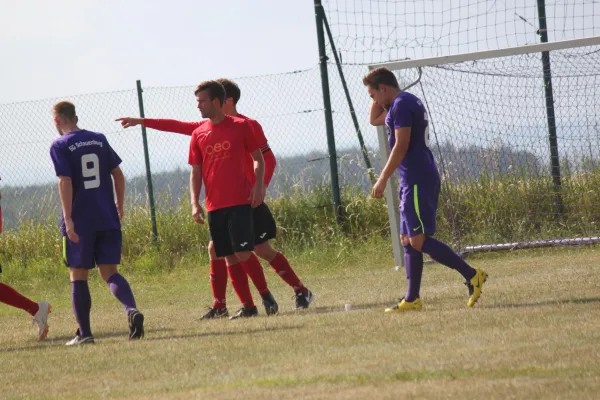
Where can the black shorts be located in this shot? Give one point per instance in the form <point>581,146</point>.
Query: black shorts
<point>232,229</point>
<point>265,227</point>
<point>264,224</point>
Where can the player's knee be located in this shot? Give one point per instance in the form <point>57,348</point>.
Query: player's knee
<point>243,255</point>
<point>212,253</point>
<point>416,242</point>
<point>265,251</point>
<point>78,274</point>
<point>106,271</point>
<point>231,260</point>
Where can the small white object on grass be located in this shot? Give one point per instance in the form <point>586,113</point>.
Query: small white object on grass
<point>348,307</point>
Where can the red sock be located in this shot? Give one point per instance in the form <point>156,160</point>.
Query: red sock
<point>13,298</point>
<point>281,265</point>
<point>255,271</point>
<point>239,281</point>
<point>218,282</point>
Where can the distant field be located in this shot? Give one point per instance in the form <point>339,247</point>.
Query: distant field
<point>534,335</point>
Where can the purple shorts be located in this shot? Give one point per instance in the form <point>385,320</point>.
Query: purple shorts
<point>95,248</point>
<point>418,207</point>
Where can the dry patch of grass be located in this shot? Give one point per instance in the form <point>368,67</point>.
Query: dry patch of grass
<point>535,334</point>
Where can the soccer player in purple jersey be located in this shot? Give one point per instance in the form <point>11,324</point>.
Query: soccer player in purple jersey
<point>408,132</point>
<point>87,167</point>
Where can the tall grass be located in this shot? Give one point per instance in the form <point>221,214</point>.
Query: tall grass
<point>484,210</point>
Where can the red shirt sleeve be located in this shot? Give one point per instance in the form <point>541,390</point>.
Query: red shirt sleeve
<point>259,134</point>
<point>249,140</point>
<point>195,154</point>
<point>270,164</point>
<point>172,125</point>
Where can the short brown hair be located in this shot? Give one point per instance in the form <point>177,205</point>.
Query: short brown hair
<point>65,109</point>
<point>231,89</point>
<point>380,76</point>
<point>214,88</point>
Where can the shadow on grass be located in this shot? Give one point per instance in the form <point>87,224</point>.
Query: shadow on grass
<point>545,303</point>
<point>59,341</point>
<point>226,333</point>
<point>339,308</point>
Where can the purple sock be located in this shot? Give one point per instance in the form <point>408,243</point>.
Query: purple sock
<point>82,305</point>
<point>413,264</point>
<point>121,290</point>
<point>443,254</point>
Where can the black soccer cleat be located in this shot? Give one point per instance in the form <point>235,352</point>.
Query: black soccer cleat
<point>271,306</point>
<point>215,313</point>
<point>136,324</point>
<point>245,312</point>
<point>304,298</point>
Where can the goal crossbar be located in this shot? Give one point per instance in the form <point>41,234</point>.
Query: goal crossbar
<point>485,54</point>
<point>391,194</point>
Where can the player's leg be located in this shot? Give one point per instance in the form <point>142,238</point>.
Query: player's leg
<point>218,284</point>
<point>219,226</point>
<point>413,265</point>
<point>39,311</point>
<point>107,254</point>
<point>265,229</point>
<point>241,234</point>
<point>79,257</point>
<point>255,270</point>
<point>424,206</point>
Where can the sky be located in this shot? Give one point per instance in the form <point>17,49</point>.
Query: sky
<point>66,47</point>
<point>93,51</point>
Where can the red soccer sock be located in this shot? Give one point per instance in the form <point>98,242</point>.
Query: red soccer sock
<point>218,282</point>
<point>13,298</point>
<point>255,271</point>
<point>239,281</point>
<point>281,265</point>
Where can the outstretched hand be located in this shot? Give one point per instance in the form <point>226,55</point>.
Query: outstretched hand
<point>127,122</point>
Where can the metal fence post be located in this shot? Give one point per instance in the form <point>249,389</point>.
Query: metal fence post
<point>147,161</point>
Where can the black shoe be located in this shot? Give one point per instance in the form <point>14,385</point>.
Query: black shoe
<point>215,313</point>
<point>303,299</point>
<point>245,312</point>
<point>271,306</point>
<point>136,324</point>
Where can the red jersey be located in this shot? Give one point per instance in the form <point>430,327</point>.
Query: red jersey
<point>261,139</point>
<point>186,128</point>
<point>221,149</point>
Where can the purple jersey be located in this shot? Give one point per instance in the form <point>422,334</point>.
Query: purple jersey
<point>87,158</point>
<point>418,165</point>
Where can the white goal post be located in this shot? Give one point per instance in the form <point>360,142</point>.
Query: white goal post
<point>391,193</point>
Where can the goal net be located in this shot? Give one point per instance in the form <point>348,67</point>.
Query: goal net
<point>518,146</point>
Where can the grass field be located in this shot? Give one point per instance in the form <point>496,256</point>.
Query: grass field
<point>534,335</point>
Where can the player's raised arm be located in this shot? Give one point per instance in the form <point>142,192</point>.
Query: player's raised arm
<point>119,185</point>
<point>377,114</point>
<point>165,125</point>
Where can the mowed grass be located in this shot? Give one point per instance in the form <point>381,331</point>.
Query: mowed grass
<point>534,335</point>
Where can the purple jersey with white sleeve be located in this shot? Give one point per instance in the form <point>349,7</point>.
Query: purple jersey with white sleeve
<point>418,165</point>
<point>87,158</point>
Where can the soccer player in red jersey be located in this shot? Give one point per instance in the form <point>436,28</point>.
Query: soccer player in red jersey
<point>39,311</point>
<point>264,223</point>
<point>217,155</point>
